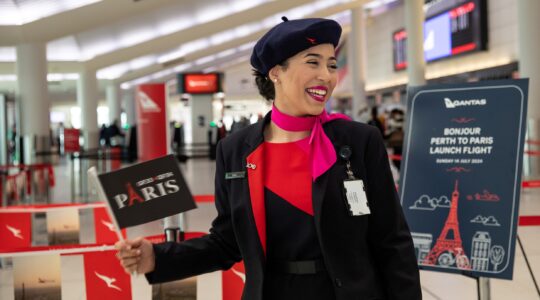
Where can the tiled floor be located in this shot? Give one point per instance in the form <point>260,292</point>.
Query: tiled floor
<point>200,176</point>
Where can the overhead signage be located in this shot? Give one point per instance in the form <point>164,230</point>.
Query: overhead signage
<point>461,175</point>
<point>457,30</point>
<point>194,83</point>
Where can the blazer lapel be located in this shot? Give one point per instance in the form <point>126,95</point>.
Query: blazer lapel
<point>254,163</point>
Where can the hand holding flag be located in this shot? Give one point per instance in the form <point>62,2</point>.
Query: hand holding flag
<point>136,256</point>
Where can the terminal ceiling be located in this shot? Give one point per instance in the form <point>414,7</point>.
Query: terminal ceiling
<point>136,41</point>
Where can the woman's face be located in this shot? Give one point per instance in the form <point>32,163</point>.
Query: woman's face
<point>306,82</point>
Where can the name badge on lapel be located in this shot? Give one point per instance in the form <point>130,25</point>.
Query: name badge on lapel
<point>353,188</point>
<point>235,175</point>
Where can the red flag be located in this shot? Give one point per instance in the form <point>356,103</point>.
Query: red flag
<point>15,230</point>
<point>105,278</point>
<point>233,282</point>
<point>104,228</point>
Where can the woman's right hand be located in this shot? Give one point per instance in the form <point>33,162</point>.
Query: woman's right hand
<point>136,256</point>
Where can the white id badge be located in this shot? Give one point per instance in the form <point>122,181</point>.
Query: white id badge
<point>356,197</point>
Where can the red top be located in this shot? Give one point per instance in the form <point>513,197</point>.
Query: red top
<point>287,173</point>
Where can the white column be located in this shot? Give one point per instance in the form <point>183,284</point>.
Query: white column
<point>357,58</point>
<point>87,99</point>
<point>414,25</point>
<point>529,67</point>
<point>128,103</point>
<point>113,102</point>
<point>33,97</point>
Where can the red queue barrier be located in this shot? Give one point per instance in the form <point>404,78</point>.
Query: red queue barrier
<point>23,178</point>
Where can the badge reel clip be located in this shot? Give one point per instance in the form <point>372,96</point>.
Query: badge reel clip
<point>353,188</point>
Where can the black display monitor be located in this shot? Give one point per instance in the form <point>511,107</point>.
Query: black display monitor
<point>454,31</point>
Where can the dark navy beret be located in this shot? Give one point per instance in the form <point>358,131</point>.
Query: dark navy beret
<point>291,37</point>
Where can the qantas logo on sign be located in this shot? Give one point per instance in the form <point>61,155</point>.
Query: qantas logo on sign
<point>147,104</point>
<point>16,232</point>
<point>108,280</point>
<point>449,103</point>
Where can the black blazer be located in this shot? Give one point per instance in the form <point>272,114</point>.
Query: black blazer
<point>367,257</point>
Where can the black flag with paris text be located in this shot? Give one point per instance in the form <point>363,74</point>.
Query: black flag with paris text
<point>146,192</point>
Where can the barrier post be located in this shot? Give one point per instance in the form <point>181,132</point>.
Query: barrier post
<point>72,175</point>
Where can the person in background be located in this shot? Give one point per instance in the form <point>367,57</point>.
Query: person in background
<point>395,134</point>
<point>104,139</point>
<point>114,134</point>
<point>59,133</point>
<point>213,138</point>
<point>280,191</point>
<point>375,121</point>
<point>177,142</point>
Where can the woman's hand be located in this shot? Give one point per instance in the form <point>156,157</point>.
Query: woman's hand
<point>136,256</point>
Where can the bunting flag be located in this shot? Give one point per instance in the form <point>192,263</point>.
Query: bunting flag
<point>104,228</point>
<point>80,263</point>
<point>15,230</point>
<point>104,277</point>
<point>73,285</point>
<point>37,276</point>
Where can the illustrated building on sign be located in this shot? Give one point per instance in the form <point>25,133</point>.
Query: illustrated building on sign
<point>448,249</point>
<point>481,243</point>
<point>422,244</point>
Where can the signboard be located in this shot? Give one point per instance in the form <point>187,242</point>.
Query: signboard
<point>151,121</point>
<point>199,83</point>
<point>448,31</point>
<point>461,175</point>
<point>146,192</point>
<point>71,140</point>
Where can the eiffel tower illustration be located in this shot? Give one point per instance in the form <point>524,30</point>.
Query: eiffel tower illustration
<point>449,249</point>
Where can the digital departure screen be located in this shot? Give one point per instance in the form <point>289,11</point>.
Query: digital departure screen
<point>459,30</point>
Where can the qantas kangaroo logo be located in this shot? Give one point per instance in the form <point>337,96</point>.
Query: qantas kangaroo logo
<point>109,281</point>
<point>108,224</point>
<point>147,104</point>
<point>16,232</point>
<point>240,274</point>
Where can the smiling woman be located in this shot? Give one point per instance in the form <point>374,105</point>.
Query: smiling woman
<point>306,225</point>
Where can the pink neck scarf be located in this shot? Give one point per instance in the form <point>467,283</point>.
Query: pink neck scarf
<point>323,154</point>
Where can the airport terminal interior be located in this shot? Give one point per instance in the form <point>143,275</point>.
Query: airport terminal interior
<point>109,84</point>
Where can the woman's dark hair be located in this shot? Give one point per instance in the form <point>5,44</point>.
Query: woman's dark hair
<point>265,85</point>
